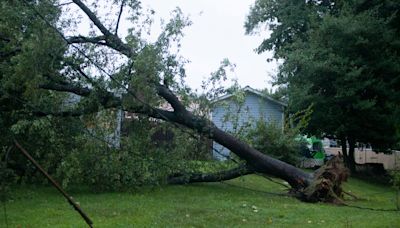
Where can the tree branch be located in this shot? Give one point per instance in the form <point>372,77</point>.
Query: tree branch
<point>154,113</point>
<point>71,113</point>
<point>106,99</point>
<point>150,112</point>
<point>82,91</point>
<point>92,17</point>
<point>112,40</point>
<point>84,39</point>
<point>64,4</point>
<point>170,97</point>
<point>211,177</point>
<point>119,18</point>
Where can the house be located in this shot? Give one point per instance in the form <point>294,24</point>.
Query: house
<point>234,113</point>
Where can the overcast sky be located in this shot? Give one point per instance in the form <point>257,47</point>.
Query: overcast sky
<point>217,33</point>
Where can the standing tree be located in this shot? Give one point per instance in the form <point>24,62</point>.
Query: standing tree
<point>100,65</point>
<point>342,57</point>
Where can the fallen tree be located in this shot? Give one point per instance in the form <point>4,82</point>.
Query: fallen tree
<point>322,185</point>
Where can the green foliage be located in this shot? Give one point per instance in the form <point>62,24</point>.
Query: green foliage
<point>30,51</point>
<point>208,166</point>
<point>45,140</point>
<point>144,158</point>
<point>395,174</point>
<point>71,149</point>
<point>343,57</point>
<point>270,139</point>
<point>288,19</point>
<point>106,169</point>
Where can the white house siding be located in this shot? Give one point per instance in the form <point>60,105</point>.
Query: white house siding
<point>253,108</point>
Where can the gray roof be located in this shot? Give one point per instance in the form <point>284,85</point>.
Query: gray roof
<point>253,91</point>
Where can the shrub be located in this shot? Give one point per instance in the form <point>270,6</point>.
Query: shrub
<point>270,139</point>
<point>141,160</point>
<point>75,155</point>
<point>395,175</point>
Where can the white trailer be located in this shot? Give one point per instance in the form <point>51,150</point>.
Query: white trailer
<point>366,156</point>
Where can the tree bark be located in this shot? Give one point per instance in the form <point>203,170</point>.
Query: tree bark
<point>262,163</point>
<point>348,155</point>
<point>343,142</point>
<point>351,160</point>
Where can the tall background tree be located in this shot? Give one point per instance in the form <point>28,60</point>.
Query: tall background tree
<point>342,57</point>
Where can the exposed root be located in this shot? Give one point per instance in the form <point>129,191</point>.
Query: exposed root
<point>351,195</point>
<point>326,183</point>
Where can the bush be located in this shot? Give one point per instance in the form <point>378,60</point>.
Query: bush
<point>75,155</point>
<point>270,139</point>
<point>108,169</point>
<point>48,140</point>
<point>142,159</point>
<point>208,166</point>
<point>395,174</point>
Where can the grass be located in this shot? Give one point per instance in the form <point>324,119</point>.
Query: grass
<point>241,202</point>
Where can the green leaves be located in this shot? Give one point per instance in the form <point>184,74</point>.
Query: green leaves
<point>341,56</point>
<point>269,139</point>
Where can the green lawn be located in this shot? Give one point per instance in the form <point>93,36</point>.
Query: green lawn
<point>241,202</point>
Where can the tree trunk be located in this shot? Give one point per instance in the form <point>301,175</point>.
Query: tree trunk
<point>262,163</point>
<point>343,143</point>
<point>348,155</point>
<point>351,160</point>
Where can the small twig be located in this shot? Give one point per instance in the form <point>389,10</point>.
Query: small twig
<point>274,181</point>
<point>64,4</point>
<point>225,156</point>
<point>119,17</point>
<point>55,184</point>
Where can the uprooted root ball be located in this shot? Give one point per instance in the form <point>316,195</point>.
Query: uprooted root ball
<point>326,183</point>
